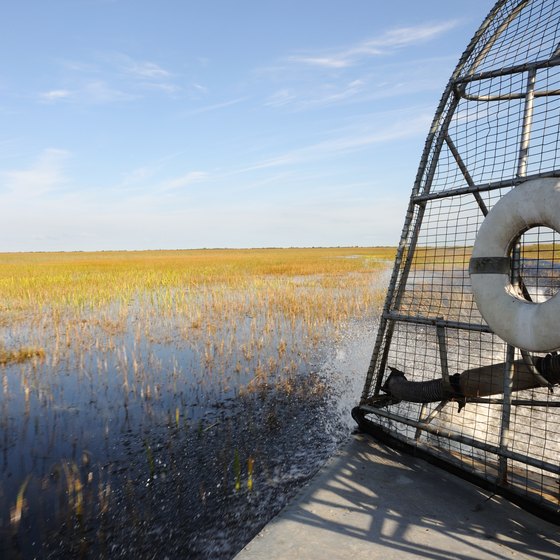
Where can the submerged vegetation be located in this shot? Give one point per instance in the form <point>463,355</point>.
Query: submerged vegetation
<point>135,384</point>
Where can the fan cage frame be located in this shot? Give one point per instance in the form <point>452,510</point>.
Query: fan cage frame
<point>497,126</point>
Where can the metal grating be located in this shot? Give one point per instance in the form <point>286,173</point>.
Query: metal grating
<point>497,126</point>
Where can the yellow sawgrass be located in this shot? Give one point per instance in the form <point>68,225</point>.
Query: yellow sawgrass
<point>255,314</point>
<point>77,293</point>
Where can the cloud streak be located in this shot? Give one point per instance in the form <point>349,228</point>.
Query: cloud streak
<point>91,92</point>
<point>55,95</point>
<point>183,181</point>
<point>390,40</point>
<point>109,78</point>
<point>362,72</point>
<point>44,176</point>
<point>214,106</point>
<point>345,144</point>
<point>145,69</point>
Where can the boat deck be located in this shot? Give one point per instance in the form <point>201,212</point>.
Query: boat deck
<point>372,501</point>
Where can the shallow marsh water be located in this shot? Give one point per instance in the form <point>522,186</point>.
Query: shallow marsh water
<point>142,431</point>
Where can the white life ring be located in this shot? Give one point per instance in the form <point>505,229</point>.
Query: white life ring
<point>524,324</point>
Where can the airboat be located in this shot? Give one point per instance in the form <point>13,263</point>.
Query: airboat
<point>465,366</point>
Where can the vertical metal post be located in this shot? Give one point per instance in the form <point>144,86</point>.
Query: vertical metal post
<point>506,414</point>
<point>440,330</point>
<point>516,279</point>
<point>527,123</point>
<point>418,432</point>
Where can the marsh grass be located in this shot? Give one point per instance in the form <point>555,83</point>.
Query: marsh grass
<point>102,352</point>
<point>20,355</point>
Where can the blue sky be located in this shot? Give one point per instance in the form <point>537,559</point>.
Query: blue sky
<point>135,124</point>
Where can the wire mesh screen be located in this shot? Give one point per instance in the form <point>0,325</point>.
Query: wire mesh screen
<point>440,378</point>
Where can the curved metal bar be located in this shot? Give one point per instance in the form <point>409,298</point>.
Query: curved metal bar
<point>509,96</point>
<point>515,69</point>
<point>504,25</point>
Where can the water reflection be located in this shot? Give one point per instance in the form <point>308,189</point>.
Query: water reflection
<point>138,431</point>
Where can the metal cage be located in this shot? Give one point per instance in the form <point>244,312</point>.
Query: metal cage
<point>496,127</point>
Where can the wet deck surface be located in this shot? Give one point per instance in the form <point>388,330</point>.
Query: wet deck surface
<point>372,501</point>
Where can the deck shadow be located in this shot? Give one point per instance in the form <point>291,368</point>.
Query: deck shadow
<point>372,501</point>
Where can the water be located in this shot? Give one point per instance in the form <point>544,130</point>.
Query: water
<point>133,449</point>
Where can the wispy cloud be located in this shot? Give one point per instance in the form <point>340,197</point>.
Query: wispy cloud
<point>183,181</point>
<point>199,87</point>
<point>364,71</point>
<point>44,175</point>
<point>325,89</point>
<point>145,73</point>
<point>100,91</point>
<point>166,87</point>
<point>110,77</point>
<point>328,94</point>
<point>282,97</point>
<point>145,69</point>
<point>55,95</point>
<point>317,88</point>
<point>138,176</point>
<point>94,91</point>
<point>143,178</point>
<point>80,66</point>
<point>214,106</point>
<point>377,46</point>
<point>349,142</point>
